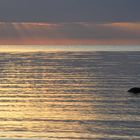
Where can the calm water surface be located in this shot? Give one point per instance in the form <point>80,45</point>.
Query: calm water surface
<point>69,95</point>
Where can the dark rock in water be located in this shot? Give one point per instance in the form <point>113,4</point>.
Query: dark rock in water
<point>134,90</point>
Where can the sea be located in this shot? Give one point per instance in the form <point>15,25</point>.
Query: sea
<point>70,94</point>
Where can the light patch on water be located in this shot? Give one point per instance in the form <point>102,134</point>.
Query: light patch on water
<point>56,48</point>
<point>69,95</point>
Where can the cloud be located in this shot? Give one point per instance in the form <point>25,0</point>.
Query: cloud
<point>74,32</point>
<point>69,10</point>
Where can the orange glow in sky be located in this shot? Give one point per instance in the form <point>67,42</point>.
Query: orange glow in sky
<point>69,33</point>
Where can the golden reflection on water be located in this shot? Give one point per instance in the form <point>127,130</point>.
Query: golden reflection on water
<point>38,100</point>
<point>66,95</point>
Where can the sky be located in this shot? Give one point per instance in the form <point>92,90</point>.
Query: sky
<point>70,22</point>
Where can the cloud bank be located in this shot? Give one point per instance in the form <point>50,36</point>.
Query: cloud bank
<point>69,33</point>
<point>69,10</point>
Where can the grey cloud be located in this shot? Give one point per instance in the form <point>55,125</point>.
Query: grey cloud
<point>70,10</point>
<point>66,31</point>
<point>83,31</point>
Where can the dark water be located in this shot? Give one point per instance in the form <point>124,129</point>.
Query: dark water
<point>69,96</point>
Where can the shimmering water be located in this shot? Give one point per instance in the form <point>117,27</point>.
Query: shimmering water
<point>69,95</point>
